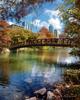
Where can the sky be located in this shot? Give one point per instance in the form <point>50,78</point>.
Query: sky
<point>44,16</point>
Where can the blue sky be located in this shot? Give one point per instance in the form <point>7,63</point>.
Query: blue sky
<point>43,16</point>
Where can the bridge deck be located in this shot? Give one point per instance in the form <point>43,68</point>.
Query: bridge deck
<point>64,42</point>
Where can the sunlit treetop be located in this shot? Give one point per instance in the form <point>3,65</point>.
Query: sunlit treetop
<point>18,8</point>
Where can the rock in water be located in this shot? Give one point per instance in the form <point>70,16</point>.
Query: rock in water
<point>5,50</point>
<point>28,81</point>
<point>50,95</point>
<point>57,92</point>
<point>41,91</point>
<point>26,97</point>
<point>32,98</point>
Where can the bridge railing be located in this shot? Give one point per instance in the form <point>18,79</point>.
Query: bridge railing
<point>45,42</point>
<point>42,41</point>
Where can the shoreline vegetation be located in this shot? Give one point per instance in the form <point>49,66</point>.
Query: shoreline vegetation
<point>69,89</point>
<point>61,91</point>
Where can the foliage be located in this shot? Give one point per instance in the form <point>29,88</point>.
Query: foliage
<point>16,34</point>
<point>19,34</point>
<point>13,34</point>
<point>72,75</point>
<point>72,29</point>
<point>71,17</point>
<point>75,52</point>
<point>3,24</point>
<point>4,38</point>
<point>73,91</point>
<point>18,8</point>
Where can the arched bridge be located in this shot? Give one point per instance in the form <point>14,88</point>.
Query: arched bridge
<point>62,42</point>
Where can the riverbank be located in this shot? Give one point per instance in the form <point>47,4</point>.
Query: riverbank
<point>60,91</point>
<point>67,90</point>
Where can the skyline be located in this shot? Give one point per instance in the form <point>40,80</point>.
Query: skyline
<point>36,19</point>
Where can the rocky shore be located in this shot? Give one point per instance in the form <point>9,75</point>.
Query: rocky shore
<point>60,91</point>
<point>69,89</point>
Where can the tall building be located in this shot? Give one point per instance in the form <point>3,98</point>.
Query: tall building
<point>51,28</point>
<point>55,33</point>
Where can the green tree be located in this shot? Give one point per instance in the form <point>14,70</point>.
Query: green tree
<point>19,34</point>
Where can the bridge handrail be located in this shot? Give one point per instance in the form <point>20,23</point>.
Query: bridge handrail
<point>45,41</point>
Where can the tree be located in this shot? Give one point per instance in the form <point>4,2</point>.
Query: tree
<point>18,8</point>
<point>71,17</point>
<point>19,34</point>
<point>4,38</point>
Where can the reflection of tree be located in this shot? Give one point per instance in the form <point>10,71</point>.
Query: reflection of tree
<point>4,71</point>
<point>56,55</point>
<point>19,62</point>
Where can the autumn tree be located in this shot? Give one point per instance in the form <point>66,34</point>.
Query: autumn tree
<point>4,38</point>
<point>70,12</point>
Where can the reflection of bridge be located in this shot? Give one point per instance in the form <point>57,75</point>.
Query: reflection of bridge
<point>62,42</point>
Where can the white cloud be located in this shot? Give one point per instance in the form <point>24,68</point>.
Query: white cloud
<point>54,19</point>
<point>55,22</point>
<point>52,13</point>
<point>51,21</point>
<point>39,23</point>
<point>36,22</point>
<point>10,23</point>
<point>44,24</point>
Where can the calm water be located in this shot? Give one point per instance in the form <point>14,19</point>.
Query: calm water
<point>24,72</point>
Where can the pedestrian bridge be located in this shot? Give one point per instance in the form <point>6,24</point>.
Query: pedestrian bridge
<point>60,42</point>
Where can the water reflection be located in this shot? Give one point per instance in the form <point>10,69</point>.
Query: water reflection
<point>34,63</point>
<point>4,71</point>
<point>24,72</point>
